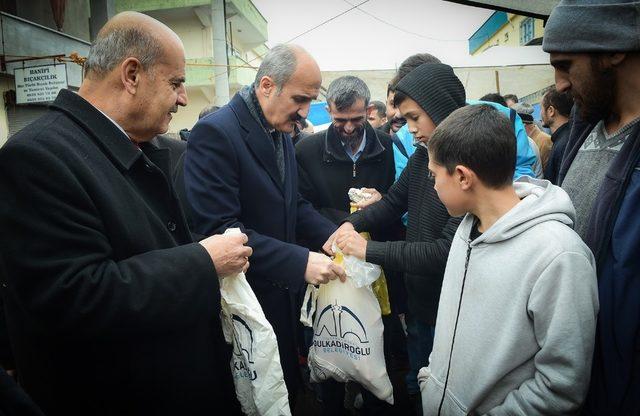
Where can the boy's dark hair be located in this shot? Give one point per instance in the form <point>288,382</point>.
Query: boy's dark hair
<point>480,138</point>
<point>398,98</point>
<point>511,97</point>
<point>561,101</point>
<point>494,98</point>
<point>409,65</point>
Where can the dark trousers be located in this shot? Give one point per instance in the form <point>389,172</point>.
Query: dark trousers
<point>419,346</point>
<point>332,395</point>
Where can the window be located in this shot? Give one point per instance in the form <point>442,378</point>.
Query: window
<point>526,30</point>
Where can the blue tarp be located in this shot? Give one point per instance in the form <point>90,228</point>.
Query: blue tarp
<point>318,114</point>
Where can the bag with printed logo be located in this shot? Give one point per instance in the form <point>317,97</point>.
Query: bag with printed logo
<point>255,362</point>
<point>347,332</point>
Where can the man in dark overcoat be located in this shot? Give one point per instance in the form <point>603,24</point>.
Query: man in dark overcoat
<point>240,171</point>
<point>111,308</point>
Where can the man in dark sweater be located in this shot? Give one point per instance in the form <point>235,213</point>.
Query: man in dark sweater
<point>556,110</point>
<point>598,60</point>
<point>422,257</point>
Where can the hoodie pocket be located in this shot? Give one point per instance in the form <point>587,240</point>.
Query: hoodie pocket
<point>431,390</point>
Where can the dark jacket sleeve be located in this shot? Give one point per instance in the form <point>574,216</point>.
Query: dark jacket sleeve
<point>212,182</point>
<point>390,208</point>
<point>415,257</point>
<point>308,193</point>
<point>312,227</point>
<point>62,267</point>
<point>13,400</point>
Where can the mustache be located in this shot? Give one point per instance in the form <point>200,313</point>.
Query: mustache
<point>297,118</point>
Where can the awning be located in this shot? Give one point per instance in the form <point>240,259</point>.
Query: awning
<point>540,9</point>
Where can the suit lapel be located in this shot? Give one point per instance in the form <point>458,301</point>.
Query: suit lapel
<point>290,169</point>
<point>257,140</point>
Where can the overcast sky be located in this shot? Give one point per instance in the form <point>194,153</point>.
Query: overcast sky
<point>379,34</point>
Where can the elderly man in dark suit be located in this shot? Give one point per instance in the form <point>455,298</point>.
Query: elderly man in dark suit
<point>111,308</point>
<point>240,171</point>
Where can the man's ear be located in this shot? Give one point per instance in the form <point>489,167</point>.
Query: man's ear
<point>266,86</point>
<point>551,111</point>
<point>616,58</point>
<point>464,177</point>
<point>130,71</point>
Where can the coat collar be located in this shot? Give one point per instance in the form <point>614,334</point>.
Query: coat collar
<point>257,139</point>
<point>334,149</point>
<point>102,130</point>
<point>559,131</point>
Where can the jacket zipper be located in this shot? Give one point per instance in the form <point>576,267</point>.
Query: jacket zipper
<point>354,169</point>
<point>455,327</point>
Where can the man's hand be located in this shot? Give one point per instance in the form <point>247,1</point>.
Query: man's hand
<point>375,197</point>
<point>327,247</point>
<point>352,244</point>
<point>229,254</point>
<point>320,269</point>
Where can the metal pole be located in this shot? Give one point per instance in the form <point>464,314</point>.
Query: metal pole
<point>221,72</point>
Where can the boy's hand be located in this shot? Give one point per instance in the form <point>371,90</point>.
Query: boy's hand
<point>347,226</point>
<point>352,244</point>
<point>375,197</point>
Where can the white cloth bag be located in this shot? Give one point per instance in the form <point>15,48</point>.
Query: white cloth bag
<point>347,334</point>
<point>255,363</point>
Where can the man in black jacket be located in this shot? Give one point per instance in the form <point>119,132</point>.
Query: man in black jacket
<point>111,308</point>
<point>422,257</point>
<point>349,154</point>
<point>556,110</point>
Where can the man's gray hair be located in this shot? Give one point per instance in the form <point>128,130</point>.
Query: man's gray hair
<point>343,92</point>
<point>279,64</point>
<point>109,50</point>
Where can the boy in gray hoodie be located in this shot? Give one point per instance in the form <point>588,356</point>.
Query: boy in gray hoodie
<point>517,313</point>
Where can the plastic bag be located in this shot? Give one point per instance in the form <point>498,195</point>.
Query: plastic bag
<point>347,336</point>
<point>362,273</point>
<point>379,287</point>
<point>255,362</point>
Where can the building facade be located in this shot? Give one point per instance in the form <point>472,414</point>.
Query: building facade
<point>39,36</point>
<point>195,23</point>
<point>54,35</point>
<point>506,29</point>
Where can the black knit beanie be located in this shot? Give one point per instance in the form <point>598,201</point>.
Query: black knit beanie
<point>435,88</point>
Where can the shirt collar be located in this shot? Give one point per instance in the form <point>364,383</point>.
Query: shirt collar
<point>114,123</point>
<point>358,153</point>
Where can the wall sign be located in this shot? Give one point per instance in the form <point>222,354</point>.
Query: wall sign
<point>39,84</point>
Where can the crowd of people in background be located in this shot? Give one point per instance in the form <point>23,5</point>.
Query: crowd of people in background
<point>508,244</point>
